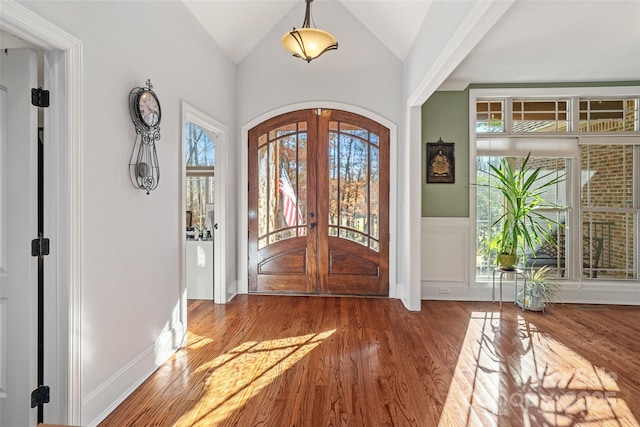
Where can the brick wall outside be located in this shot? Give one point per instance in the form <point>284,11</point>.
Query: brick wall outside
<point>610,186</point>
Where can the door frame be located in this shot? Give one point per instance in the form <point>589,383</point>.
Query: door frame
<point>203,120</point>
<point>63,188</point>
<point>243,185</point>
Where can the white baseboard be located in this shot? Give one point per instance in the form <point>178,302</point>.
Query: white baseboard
<point>572,293</point>
<point>99,403</point>
<point>232,290</point>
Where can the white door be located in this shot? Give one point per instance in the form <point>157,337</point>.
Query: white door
<point>18,226</point>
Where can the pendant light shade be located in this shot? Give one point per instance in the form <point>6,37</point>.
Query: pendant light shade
<point>308,43</point>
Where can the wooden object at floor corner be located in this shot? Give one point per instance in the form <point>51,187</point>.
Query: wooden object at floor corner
<point>318,361</point>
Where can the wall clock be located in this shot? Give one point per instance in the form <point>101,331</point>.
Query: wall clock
<point>146,114</point>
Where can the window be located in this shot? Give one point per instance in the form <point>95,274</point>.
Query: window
<point>200,188</point>
<point>609,115</point>
<point>489,210</point>
<point>490,116</point>
<point>609,209</point>
<point>540,115</point>
<point>595,141</point>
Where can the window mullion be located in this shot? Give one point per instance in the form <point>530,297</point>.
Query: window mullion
<point>636,177</point>
<point>508,115</point>
<point>573,232</point>
<point>574,121</point>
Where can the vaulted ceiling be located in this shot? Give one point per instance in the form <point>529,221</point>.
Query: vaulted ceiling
<point>534,41</point>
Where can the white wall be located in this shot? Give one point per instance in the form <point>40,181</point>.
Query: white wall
<point>362,72</point>
<point>130,241</point>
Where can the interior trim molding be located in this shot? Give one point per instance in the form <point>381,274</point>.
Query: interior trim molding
<point>202,119</point>
<point>22,22</point>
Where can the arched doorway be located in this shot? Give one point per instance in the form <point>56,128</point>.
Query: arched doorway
<point>319,204</point>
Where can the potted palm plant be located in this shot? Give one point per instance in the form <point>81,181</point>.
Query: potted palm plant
<point>521,226</point>
<point>539,291</point>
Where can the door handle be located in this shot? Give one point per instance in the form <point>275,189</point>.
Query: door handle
<point>312,225</point>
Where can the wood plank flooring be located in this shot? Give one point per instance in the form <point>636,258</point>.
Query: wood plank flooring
<point>320,361</point>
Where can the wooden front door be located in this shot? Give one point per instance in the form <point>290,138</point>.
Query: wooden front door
<point>319,204</point>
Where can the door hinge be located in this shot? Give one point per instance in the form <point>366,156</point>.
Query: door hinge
<point>40,97</point>
<point>40,396</point>
<point>40,246</point>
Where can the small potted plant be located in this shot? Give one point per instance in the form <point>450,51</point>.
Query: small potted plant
<point>539,292</point>
<point>521,226</point>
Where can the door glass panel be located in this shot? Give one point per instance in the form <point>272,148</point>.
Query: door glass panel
<point>282,184</point>
<point>347,233</point>
<point>199,146</point>
<point>333,180</point>
<point>263,189</point>
<point>282,131</point>
<point>353,184</point>
<point>374,196</point>
<point>200,198</point>
<point>302,177</point>
<point>348,129</point>
<point>199,150</point>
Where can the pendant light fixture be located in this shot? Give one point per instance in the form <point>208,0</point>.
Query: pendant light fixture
<point>307,42</point>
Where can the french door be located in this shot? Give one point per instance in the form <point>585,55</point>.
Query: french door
<point>319,204</point>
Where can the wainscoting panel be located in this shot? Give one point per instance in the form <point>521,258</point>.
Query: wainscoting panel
<point>447,271</point>
<point>445,251</point>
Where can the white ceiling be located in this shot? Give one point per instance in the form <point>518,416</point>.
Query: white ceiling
<point>535,40</point>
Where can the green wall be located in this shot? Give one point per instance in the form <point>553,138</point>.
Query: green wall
<point>445,115</point>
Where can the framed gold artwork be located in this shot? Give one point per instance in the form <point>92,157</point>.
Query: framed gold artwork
<point>441,162</point>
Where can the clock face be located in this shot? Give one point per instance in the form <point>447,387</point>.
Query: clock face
<point>149,108</point>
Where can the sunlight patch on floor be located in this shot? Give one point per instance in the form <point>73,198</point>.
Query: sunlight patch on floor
<point>510,371</point>
<point>236,376</point>
<point>196,342</point>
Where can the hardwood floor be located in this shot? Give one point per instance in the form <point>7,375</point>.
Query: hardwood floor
<point>319,361</point>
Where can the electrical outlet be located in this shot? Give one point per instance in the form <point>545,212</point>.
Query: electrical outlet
<point>444,290</point>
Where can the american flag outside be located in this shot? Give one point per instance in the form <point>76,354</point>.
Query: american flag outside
<point>290,209</point>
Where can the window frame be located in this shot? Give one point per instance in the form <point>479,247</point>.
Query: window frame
<point>524,140</point>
